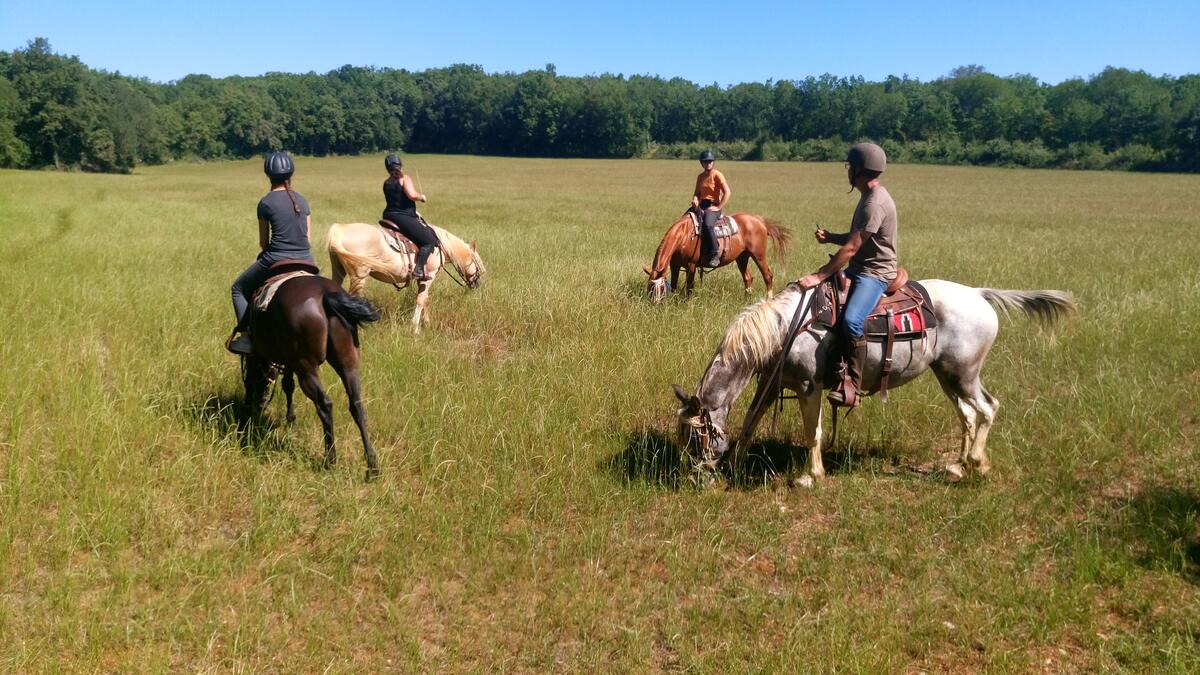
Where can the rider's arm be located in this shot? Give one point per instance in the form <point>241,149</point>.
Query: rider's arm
<point>854,241</point>
<point>839,239</point>
<point>696,192</point>
<point>410,191</point>
<point>309,235</point>
<point>264,233</point>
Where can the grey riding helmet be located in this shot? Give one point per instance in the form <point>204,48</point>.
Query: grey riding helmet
<point>867,156</point>
<point>278,166</point>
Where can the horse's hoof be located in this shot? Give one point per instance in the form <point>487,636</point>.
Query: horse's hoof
<point>955,472</point>
<point>372,474</point>
<point>807,482</point>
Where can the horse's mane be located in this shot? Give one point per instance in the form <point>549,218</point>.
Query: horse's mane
<point>756,335</point>
<point>662,245</point>
<point>460,252</point>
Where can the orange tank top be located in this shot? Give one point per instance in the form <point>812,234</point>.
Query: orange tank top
<point>711,185</point>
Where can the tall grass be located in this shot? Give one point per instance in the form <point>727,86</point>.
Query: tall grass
<point>528,517</point>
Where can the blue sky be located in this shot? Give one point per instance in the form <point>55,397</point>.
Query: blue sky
<point>706,42</point>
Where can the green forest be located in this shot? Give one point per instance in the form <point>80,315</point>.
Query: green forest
<point>55,111</point>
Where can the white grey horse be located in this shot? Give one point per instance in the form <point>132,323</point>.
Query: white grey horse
<point>954,350</point>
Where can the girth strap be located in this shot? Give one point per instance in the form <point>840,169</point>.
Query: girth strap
<point>887,355</point>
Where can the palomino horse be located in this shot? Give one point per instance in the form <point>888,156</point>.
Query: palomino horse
<point>359,250</point>
<point>310,320</point>
<point>680,249</point>
<point>954,350</point>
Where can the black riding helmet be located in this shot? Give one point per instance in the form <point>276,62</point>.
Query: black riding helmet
<point>392,161</point>
<point>708,156</point>
<point>278,166</point>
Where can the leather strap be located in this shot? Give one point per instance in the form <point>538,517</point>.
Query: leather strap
<point>887,355</point>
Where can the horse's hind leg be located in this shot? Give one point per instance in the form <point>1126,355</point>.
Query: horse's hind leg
<point>976,410</point>
<point>343,356</point>
<point>760,261</point>
<point>421,308</point>
<point>310,384</point>
<point>289,387</point>
<point>743,263</point>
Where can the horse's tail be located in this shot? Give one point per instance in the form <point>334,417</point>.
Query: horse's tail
<point>335,264</point>
<point>780,235</point>
<point>342,259</point>
<point>350,310</point>
<point>1047,307</point>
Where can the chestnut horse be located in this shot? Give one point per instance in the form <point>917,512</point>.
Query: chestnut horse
<point>680,249</point>
<point>310,320</point>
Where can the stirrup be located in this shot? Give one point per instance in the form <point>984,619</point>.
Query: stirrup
<point>239,343</point>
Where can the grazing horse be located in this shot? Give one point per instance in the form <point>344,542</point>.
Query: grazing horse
<point>955,350</point>
<point>309,321</point>
<point>359,250</point>
<point>680,249</point>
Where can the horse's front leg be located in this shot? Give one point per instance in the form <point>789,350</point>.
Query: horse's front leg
<point>691,277</point>
<point>310,384</point>
<point>811,412</point>
<point>765,270</point>
<point>289,387</point>
<point>674,279</point>
<point>420,310</point>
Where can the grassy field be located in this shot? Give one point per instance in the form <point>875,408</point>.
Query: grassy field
<point>529,517</point>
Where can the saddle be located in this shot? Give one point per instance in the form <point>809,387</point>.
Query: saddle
<point>724,228</point>
<point>280,272</point>
<point>903,314</point>
<point>396,240</point>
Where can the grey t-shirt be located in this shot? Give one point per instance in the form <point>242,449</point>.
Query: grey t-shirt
<point>289,230</point>
<point>876,217</point>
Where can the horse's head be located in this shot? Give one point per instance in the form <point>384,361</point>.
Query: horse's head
<point>657,287</point>
<point>474,269</point>
<point>702,438</point>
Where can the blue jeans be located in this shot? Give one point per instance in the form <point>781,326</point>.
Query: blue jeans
<point>865,292</point>
<point>246,283</point>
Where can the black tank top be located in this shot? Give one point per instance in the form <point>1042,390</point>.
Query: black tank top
<point>397,201</point>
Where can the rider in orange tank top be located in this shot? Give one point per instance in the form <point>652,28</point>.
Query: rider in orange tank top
<point>711,194</point>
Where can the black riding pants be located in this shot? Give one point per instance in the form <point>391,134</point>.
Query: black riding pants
<point>417,232</point>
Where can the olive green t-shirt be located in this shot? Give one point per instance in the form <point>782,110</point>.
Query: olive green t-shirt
<point>876,217</point>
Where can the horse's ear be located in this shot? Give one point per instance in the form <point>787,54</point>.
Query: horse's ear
<point>473,246</point>
<point>646,269</point>
<point>684,397</point>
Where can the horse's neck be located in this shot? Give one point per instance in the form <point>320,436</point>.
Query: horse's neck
<point>670,244</point>
<point>722,383</point>
<point>457,248</point>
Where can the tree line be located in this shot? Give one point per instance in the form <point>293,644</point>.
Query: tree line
<point>57,112</point>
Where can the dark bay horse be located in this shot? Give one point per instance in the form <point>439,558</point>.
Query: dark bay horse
<point>680,249</point>
<point>955,350</point>
<point>311,320</point>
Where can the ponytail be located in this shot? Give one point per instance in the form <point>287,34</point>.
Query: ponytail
<point>288,187</point>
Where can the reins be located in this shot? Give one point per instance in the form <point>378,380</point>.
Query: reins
<point>795,327</point>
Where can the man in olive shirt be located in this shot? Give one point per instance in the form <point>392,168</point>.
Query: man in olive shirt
<point>869,249</point>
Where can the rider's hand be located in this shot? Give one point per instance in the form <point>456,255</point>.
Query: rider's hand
<point>695,201</point>
<point>424,199</point>
<point>809,281</point>
<point>822,235</point>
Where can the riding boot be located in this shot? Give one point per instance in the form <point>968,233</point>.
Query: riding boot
<point>419,273</point>
<point>711,250</point>
<point>849,389</point>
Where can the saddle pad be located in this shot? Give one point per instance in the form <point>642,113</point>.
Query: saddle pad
<point>725,227</point>
<point>912,314</point>
<point>266,292</point>
<point>398,242</point>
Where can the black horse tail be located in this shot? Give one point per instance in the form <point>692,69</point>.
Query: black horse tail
<point>351,311</point>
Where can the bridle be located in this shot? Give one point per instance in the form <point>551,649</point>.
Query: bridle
<point>659,288</point>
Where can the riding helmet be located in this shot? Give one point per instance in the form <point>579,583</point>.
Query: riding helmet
<point>867,156</point>
<point>708,156</point>
<point>392,161</point>
<point>278,166</point>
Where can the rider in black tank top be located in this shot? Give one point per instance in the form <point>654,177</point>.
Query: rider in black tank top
<point>401,209</point>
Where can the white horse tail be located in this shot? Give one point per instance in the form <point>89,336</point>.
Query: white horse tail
<point>1046,307</point>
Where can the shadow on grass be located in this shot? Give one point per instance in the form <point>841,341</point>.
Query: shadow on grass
<point>226,416</point>
<point>652,457</point>
<point>1163,524</point>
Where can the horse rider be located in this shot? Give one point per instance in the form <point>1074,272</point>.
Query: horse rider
<point>711,194</point>
<point>869,250</point>
<point>284,231</point>
<point>401,209</point>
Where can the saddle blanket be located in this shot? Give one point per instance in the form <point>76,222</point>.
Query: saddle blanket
<point>266,293</point>
<point>725,226</point>
<point>911,315</point>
